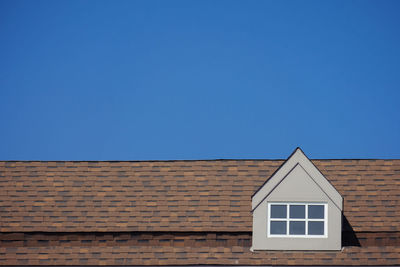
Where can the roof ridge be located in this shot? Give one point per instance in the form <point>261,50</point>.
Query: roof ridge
<point>197,160</point>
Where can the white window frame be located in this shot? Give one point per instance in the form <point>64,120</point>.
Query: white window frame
<point>306,220</point>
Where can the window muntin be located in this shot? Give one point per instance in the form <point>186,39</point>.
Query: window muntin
<point>297,220</point>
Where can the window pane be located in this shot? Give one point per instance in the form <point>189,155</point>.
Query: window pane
<point>316,228</point>
<point>315,211</point>
<point>297,211</point>
<point>278,228</point>
<point>297,228</point>
<point>278,211</point>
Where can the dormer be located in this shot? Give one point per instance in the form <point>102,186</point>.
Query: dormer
<point>297,208</point>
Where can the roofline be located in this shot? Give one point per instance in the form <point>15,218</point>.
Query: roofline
<point>204,265</point>
<point>197,160</point>
<point>166,160</point>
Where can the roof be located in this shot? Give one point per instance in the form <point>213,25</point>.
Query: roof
<point>195,256</point>
<point>177,195</point>
<point>64,200</point>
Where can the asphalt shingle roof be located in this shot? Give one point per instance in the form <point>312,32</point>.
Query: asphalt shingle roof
<point>177,195</point>
<point>71,198</point>
<point>195,256</point>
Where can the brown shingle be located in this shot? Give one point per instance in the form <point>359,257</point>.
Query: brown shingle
<point>194,256</point>
<point>177,195</point>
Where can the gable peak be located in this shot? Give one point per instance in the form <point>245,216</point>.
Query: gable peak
<point>297,157</point>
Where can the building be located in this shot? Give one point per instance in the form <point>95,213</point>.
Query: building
<point>201,212</point>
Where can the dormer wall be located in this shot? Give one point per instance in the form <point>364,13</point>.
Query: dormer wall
<point>294,185</point>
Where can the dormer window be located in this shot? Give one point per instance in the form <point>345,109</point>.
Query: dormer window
<point>297,208</point>
<point>297,220</point>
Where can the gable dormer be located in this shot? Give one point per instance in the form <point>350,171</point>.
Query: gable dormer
<point>297,208</point>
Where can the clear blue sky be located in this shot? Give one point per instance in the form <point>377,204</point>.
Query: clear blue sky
<point>155,80</point>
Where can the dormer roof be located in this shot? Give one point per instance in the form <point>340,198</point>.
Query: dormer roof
<point>297,159</point>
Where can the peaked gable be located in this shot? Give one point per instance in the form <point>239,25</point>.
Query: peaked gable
<point>296,159</point>
<point>298,185</point>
